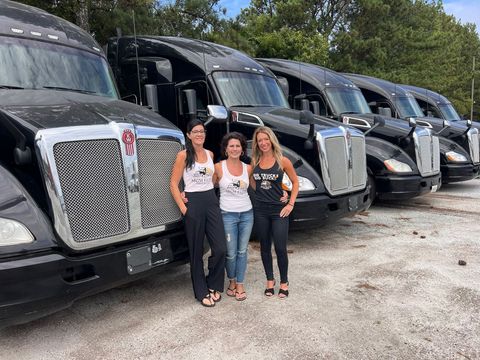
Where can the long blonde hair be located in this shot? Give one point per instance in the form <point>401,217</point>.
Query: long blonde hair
<point>257,153</point>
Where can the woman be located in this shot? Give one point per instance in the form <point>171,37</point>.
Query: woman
<point>233,180</point>
<point>202,214</point>
<point>271,215</point>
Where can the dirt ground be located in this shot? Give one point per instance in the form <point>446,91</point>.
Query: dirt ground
<point>383,284</point>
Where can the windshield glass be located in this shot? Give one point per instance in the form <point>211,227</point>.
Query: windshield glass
<point>407,107</point>
<point>246,89</point>
<point>347,101</point>
<point>35,65</point>
<point>449,112</point>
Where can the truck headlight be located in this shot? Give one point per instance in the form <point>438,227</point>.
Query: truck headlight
<point>303,183</point>
<point>397,166</point>
<point>13,233</point>
<point>453,156</point>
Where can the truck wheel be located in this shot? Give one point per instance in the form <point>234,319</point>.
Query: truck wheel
<point>373,190</point>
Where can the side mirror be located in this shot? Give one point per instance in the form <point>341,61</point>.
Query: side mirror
<point>315,107</point>
<point>446,123</point>
<point>377,121</point>
<point>306,117</point>
<point>151,95</point>
<point>469,123</point>
<point>412,122</point>
<point>191,99</point>
<point>283,82</point>
<point>216,113</point>
<point>305,104</point>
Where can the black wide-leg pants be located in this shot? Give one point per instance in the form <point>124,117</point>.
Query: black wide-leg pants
<point>203,217</point>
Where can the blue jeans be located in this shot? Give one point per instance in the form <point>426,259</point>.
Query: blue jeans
<point>238,227</point>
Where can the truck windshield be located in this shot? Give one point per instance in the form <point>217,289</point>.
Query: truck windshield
<point>32,64</point>
<point>245,89</point>
<point>449,112</point>
<point>407,107</point>
<point>347,101</point>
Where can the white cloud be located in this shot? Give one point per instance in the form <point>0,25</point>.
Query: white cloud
<point>464,10</point>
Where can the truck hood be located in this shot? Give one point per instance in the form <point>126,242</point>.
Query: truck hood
<point>43,109</point>
<point>286,120</point>
<point>456,128</point>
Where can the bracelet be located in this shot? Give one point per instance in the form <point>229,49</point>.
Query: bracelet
<point>290,204</point>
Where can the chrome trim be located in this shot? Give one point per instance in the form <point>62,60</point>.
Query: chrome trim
<point>347,134</point>
<point>46,140</point>
<point>359,123</point>
<point>424,124</point>
<point>473,144</point>
<point>235,118</point>
<point>433,167</point>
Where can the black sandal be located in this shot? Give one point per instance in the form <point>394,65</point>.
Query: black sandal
<point>215,293</point>
<point>269,292</point>
<point>283,292</point>
<point>209,303</point>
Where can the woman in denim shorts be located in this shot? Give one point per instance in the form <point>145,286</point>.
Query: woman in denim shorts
<point>233,176</point>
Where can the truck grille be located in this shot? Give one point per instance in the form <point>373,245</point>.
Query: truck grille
<point>427,152</point>
<point>473,144</point>
<point>105,191</point>
<point>155,159</point>
<point>92,180</point>
<point>342,160</point>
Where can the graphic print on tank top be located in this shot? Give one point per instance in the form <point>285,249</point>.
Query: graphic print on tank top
<point>201,174</point>
<point>266,179</point>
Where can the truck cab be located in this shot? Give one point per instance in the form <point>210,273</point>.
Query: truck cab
<point>85,203</point>
<point>403,160</point>
<point>179,77</point>
<point>459,144</point>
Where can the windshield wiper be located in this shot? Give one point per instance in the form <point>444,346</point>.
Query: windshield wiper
<point>10,87</point>
<point>246,106</point>
<point>68,89</point>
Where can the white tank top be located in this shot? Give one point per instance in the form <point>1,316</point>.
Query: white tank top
<point>199,176</point>
<point>234,190</point>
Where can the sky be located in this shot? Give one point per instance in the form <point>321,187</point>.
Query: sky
<point>463,10</point>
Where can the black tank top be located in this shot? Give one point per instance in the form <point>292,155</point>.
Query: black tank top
<point>268,185</point>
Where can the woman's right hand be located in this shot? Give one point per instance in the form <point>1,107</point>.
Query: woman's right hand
<point>184,198</point>
<point>184,210</point>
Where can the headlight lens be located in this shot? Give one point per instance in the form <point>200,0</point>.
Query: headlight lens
<point>453,156</point>
<point>303,183</point>
<point>13,233</point>
<point>397,166</point>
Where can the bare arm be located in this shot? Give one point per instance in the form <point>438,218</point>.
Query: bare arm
<point>290,171</point>
<point>217,175</point>
<point>177,173</point>
<point>250,176</point>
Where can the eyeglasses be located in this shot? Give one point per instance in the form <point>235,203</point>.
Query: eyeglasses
<point>199,132</point>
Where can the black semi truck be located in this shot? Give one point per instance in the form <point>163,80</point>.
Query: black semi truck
<point>403,161</point>
<point>84,177</point>
<point>460,156</point>
<point>179,77</point>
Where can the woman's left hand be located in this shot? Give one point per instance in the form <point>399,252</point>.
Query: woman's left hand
<point>287,209</point>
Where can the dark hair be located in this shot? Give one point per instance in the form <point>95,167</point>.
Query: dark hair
<point>227,137</point>
<point>190,160</point>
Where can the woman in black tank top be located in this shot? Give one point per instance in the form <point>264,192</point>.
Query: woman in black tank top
<point>271,215</point>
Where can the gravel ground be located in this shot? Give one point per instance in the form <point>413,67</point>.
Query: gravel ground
<point>383,284</point>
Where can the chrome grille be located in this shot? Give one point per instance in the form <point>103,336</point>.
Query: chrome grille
<point>92,180</point>
<point>155,161</point>
<point>342,160</point>
<point>104,190</point>
<point>427,152</point>
<point>473,144</point>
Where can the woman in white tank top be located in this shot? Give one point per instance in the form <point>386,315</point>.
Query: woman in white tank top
<point>237,213</point>
<point>201,214</point>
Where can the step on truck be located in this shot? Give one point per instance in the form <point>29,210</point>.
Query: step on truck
<point>179,77</point>
<point>459,143</point>
<point>85,203</point>
<point>403,160</point>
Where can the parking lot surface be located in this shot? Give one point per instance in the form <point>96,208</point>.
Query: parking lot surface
<point>384,284</point>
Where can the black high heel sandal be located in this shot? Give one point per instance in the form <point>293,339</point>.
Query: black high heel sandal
<point>269,292</point>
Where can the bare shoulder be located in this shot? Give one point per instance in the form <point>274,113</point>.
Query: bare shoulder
<point>249,169</point>
<point>211,153</point>
<point>286,162</point>
<point>182,155</point>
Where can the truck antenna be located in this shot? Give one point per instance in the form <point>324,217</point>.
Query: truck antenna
<point>136,58</point>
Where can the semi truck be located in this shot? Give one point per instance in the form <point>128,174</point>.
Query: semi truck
<point>179,77</point>
<point>460,156</point>
<point>403,160</point>
<point>84,177</point>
